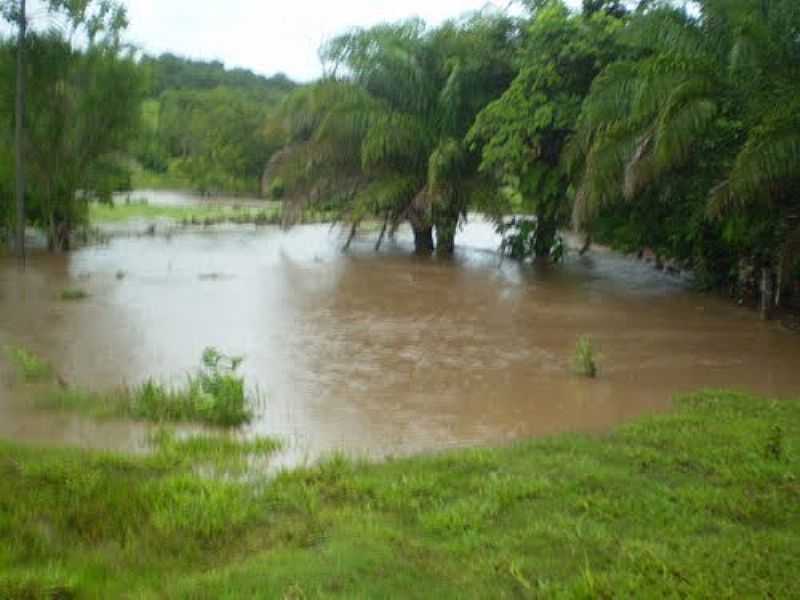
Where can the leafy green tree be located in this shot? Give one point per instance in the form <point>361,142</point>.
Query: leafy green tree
<point>727,72</point>
<point>522,134</point>
<point>17,13</point>
<point>82,102</point>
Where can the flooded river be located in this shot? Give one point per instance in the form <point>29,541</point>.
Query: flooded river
<point>378,354</point>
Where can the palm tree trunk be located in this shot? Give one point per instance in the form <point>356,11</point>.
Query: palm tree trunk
<point>383,232</point>
<point>546,230</point>
<point>19,134</point>
<point>446,237</point>
<point>351,236</point>
<point>587,245</point>
<point>423,240</point>
<point>418,215</point>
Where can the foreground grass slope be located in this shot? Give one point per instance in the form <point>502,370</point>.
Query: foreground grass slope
<point>702,502</point>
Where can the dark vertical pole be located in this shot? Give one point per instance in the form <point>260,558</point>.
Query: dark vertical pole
<point>20,131</point>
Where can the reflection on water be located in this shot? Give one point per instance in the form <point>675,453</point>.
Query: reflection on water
<point>380,354</point>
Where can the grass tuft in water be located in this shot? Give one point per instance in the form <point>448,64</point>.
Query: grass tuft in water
<point>32,368</point>
<point>214,395</point>
<point>583,363</point>
<point>74,294</point>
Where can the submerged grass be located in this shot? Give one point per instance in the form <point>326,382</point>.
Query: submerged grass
<point>214,395</point>
<point>32,368</point>
<point>703,502</point>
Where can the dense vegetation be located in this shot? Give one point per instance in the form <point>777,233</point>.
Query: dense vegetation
<point>703,502</point>
<point>649,125</point>
<point>82,100</point>
<point>203,125</point>
<point>95,116</point>
<point>657,126</point>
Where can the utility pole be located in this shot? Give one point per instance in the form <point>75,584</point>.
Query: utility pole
<point>20,132</point>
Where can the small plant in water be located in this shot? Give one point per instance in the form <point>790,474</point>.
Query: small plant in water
<point>74,294</point>
<point>584,360</point>
<point>32,367</point>
<point>214,395</point>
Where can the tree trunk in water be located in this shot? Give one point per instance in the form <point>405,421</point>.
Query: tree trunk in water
<point>19,134</point>
<point>587,244</point>
<point>51,236</point>
<point>767,293</point>
<point>383,232</point>
<point>446,237</point>
<point>353,231</point>
<point>423,240</point>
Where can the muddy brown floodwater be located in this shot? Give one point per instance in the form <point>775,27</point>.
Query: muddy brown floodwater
<point>379,354</point>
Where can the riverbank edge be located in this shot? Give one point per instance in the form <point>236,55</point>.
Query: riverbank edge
<point>702,501</point>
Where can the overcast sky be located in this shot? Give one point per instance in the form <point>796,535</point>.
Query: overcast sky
<point>269,36</point>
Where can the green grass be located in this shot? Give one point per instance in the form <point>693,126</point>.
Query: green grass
<point>187,215</point>
<point>702,502</point>
<point>74,295</point>
<point>32,368</point>
<point>214,395</point>
<point>208,215</point>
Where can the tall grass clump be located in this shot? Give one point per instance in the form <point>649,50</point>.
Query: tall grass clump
<point>584,362</point>
<point>33,368</point>
<point>214,395</point>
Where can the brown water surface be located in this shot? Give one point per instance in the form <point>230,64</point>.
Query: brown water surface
<point>378,354</point>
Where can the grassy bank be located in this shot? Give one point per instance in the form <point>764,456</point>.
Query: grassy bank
<point>205,215</point>
<point>189,215</point>
<point>703,502</point>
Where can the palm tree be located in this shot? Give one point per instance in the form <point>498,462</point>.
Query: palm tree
<point>383,134</point>
<point>731,61</point>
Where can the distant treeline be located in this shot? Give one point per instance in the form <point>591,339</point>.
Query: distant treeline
<point>203,125</point>
<point>171,72</point>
